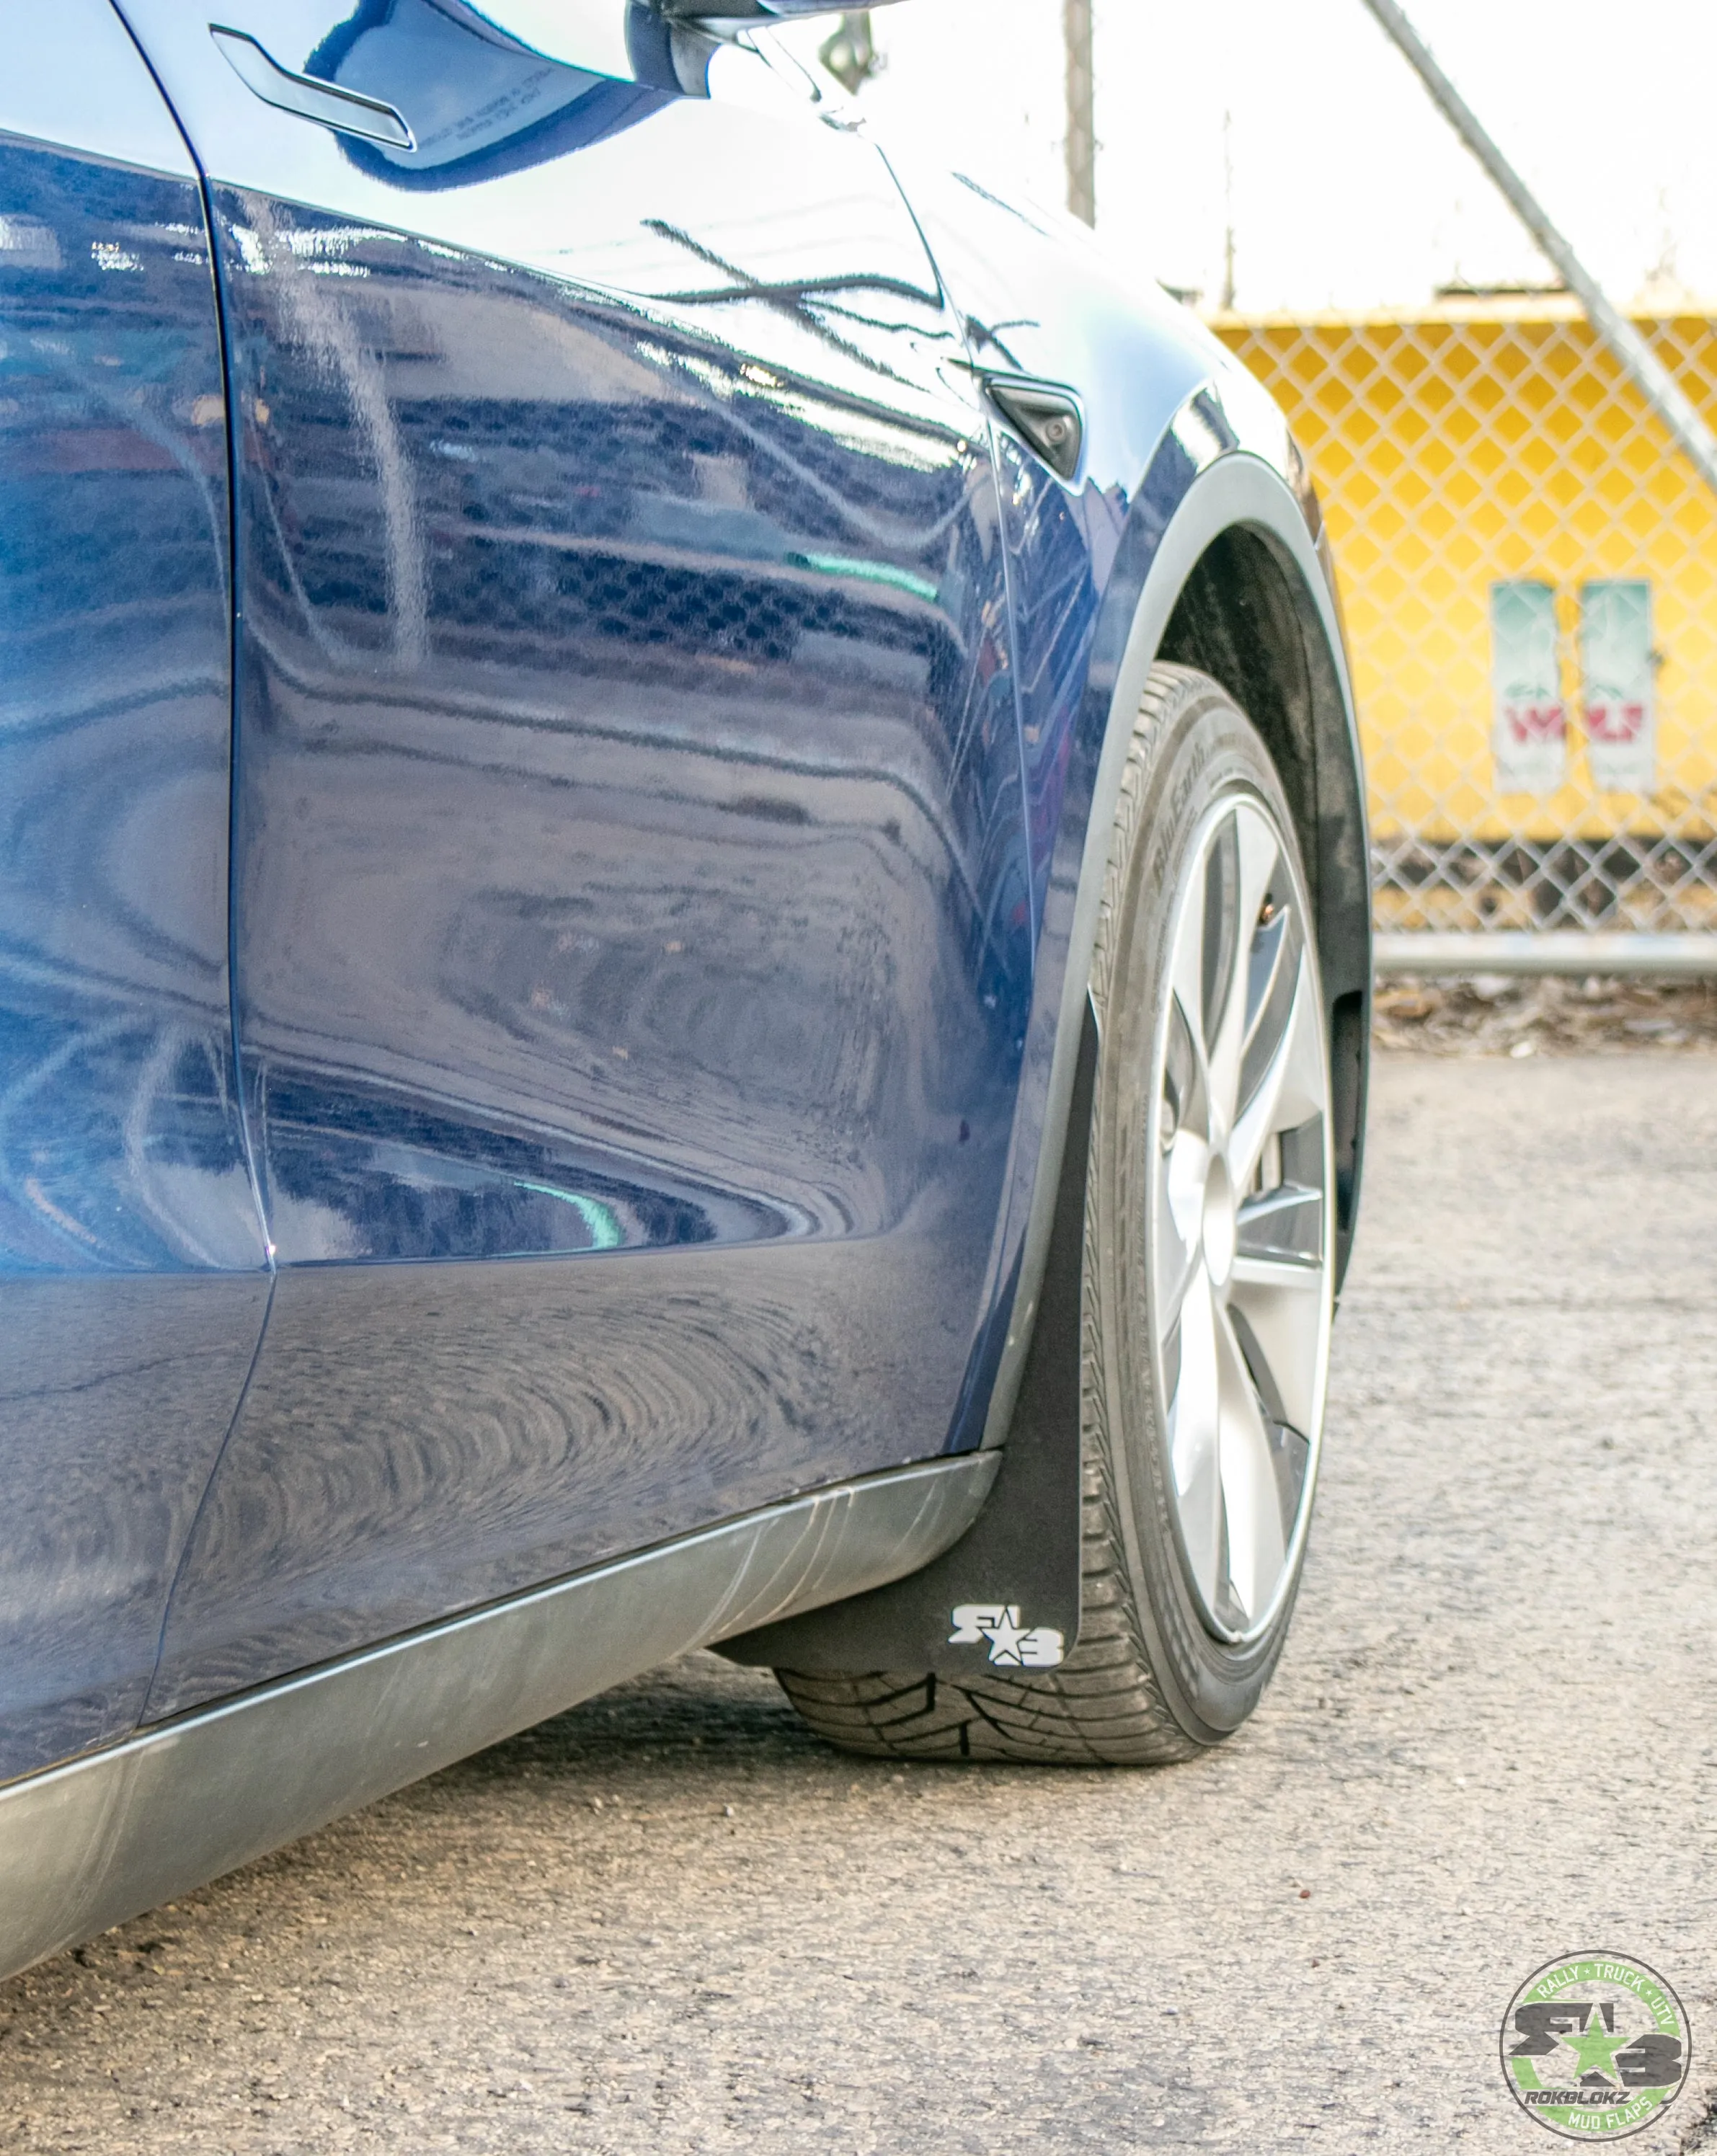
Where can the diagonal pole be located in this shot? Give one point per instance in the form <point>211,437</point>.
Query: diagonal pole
<point>1631,353</point>
<point>1082,111</point>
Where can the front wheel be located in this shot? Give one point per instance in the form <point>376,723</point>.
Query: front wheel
<point>1207,1282</point>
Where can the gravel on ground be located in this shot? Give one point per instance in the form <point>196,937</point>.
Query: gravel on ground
<point>1497,1014</point>
<point>673,1921</point>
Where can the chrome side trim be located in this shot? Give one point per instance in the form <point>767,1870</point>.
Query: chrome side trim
<point>1237,489</point>
<point>88,1844</point>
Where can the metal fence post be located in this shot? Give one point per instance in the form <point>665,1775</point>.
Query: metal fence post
<point>1634,356</point>
<point>1531,593</point>
<point>1082,111</point>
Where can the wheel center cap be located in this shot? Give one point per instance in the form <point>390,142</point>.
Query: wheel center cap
<point>1219,1230</point>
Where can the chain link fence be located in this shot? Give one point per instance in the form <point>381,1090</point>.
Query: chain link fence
<point>1528,571</point>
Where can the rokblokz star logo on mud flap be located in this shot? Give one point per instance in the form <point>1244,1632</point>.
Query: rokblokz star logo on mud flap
<point>1011,1644</point>
<point>1595,2045</point>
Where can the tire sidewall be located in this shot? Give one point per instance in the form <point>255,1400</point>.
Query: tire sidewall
<point>1197,749</point>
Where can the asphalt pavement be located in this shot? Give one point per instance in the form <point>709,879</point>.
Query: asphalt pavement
<point>671,1921</point>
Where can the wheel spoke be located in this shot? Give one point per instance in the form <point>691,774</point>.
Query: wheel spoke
<point>1291,1089</point>
<point>1187,987</point>
<point>1182,1161</point>
<point>1194,1437</point>
<point>1281,1303</point>
<point>1271,983</point>
<point>1185,1094</point>
<point>1218,930</point>
<point>1255,857</point>
<point>1286,1222</point>
<point>1252,1504</point>
<point>1189,1258</point>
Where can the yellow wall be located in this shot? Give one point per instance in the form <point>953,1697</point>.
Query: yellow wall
<point>1477,442</point>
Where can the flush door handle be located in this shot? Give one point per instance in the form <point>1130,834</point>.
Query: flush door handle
<point>308,96</point>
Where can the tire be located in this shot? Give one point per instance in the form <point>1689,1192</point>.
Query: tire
<point>1188,1579</point>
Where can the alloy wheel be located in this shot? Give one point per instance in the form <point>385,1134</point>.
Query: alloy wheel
<point>1239,1236</point>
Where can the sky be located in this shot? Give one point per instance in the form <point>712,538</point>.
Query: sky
<point>1345,187</point>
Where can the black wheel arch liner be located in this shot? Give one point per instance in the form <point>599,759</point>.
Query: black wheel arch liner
<point>1221,567</point>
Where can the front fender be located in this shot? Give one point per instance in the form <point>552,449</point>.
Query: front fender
<point>1199,489</point>
<point>1185,455</point>
<point>1205,480</point>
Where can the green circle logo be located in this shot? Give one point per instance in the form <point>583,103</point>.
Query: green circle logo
<point>1595,2045</point>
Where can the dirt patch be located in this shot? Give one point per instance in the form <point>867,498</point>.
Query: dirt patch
<point>1495,1015</point>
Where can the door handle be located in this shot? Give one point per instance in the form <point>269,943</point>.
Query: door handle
<point>310,98</point>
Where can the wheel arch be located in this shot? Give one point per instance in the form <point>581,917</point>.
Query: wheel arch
<point>1245,617</point>
<point>1219,568</point>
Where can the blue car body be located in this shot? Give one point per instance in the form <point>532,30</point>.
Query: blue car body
<point>553,743</point>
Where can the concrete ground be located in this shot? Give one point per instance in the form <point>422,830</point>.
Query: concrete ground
<point>672,1922</point>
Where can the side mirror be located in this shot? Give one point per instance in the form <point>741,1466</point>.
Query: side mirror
<point>656,42</point>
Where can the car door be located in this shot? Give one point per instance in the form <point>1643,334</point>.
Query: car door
<point>633,923</point>
<point>133,1275</point>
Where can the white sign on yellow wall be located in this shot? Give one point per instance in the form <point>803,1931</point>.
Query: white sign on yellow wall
<point>1492,440</point>
<point>1618,684</point>
<point>1529,734</point>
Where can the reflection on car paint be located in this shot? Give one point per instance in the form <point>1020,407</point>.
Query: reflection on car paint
<point>632,870</point>
<point>132,1285</point>
<point>657,837</point>
<point>355,1165</point>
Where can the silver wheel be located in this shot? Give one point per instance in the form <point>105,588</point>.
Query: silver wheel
<point>1240,1211</point>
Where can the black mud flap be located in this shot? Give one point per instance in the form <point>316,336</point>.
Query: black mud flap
<point>1006,1596</point>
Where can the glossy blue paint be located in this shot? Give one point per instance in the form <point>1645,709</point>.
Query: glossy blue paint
<point>632,881</point>
<point>1163,400</point>
<point>1037,298</point>
<point>132,1272</point>
<point>664,760</point>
